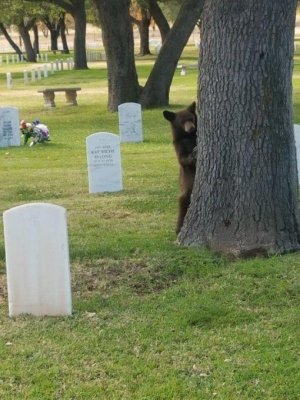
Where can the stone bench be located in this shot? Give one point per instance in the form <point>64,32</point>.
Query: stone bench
<point>49,95</point>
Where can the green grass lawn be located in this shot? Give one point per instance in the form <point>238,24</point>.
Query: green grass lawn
<point>151,320</point>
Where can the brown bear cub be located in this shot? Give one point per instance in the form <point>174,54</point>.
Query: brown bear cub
<point>184,131</point>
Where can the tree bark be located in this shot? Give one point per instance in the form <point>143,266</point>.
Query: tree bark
<point>157,89</point>
<point>53,27</point>
<point>143,27</point>
<point>245,196</point>
<point>23,30</point>
<point>36,44</point>
<point>63,34</point>
<point>118,42</point>
<point>79,15</point>
<point>159,19</point>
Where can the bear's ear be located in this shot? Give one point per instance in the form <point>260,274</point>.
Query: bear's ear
<point>169,115</point>
<point>192,107</point>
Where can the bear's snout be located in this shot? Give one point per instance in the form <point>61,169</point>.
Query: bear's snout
<point>189,127</point>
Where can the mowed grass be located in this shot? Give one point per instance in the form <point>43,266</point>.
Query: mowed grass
<point>151,320</point>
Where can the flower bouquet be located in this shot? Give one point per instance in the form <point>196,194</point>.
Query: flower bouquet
<point>38,132</point>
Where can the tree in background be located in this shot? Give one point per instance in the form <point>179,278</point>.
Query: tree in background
<point>10,40</point>
<point>63,30</point>
<point>144,12</point>
<point>51,18</point>
<point>77,9</point>
<point>170,8</point>
<point>117,38</point>
<point>245,196</point>
<point>159,18</point>
<point>24,18</point>
<point>141,17</point>
<point>24,26</point>
<point>36,41</point>
<point>123,85</point>
<point>156,91</point>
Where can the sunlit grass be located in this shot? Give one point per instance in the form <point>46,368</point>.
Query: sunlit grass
<point>151,320</point>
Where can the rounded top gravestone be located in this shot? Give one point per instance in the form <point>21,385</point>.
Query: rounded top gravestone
<point>104,162</point>
<point>9,127</point>
<point>130,122</point>
<point>37,260</point>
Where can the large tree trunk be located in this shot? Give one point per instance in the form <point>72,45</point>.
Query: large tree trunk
<point>157,89</point>
<point>54,40</point>
<point>53,27</point>
<point>23,30</point>
<point>79,15</point>
<point>245,196</point>
<point>118,42</point>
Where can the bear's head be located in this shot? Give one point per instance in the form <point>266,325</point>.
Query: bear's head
<point>183,122</point>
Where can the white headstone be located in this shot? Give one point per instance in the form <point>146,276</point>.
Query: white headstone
<point>130,122</point>
<point>297,141</point>
<point>37,260</point>
<point>104,162</point>
<point>9,81</point>
<point>45,71</point>
<point>9,127</point>
<point>25,76</point>
<point>33,75</point>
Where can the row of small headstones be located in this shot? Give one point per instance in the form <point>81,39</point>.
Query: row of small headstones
<point>130,124</point>
<point>58,65</point>
<point>95,55</point>
<point>16,58</point>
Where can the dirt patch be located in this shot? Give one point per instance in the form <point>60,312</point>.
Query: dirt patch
<point>106,276</point>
